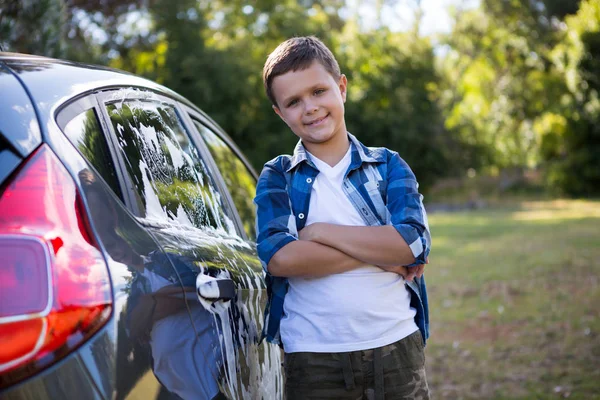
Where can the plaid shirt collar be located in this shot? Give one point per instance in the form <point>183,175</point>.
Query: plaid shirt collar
<point>360,154</point>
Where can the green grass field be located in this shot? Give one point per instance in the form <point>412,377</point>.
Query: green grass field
<point>515,302</point>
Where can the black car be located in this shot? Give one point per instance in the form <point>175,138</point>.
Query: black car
<point>128,264</point>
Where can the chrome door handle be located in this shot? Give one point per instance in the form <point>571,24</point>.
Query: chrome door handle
<point>214,289</point>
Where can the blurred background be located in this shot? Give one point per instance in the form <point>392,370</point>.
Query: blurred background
<point>494,104</point>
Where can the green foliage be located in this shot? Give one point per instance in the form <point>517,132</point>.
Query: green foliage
<point>575,165</point>
<point>561,8</point>
<point>391,98</point>
<point>499,83</point>
<point>390,76</point>
<point>519,89</point>
<point>513,86</point>
<point>35,27</point>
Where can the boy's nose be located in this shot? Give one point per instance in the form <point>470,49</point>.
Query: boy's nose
<point>311,108</point>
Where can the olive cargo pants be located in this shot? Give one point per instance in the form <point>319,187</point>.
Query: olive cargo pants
<point>395,371</point>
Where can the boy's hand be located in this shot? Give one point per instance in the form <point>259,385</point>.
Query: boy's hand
<point>310,232</point>
<point>408,273</point>
<point>400,270</point>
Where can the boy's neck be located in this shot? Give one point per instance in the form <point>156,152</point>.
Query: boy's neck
<point>332,151</point>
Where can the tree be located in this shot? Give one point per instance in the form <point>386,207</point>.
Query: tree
<point>575,165</point>
<point>499,83</point>
<point>17,19</point>
<point>561,8</point>
<point>391,82</point>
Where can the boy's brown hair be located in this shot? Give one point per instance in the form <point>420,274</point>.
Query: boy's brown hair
<point>295,54</point>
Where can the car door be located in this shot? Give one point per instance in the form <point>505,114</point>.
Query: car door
<point>240,182</point>
<point>178,196</point>
<point>141,274</point>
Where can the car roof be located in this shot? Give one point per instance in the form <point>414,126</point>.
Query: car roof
<point>70,79</point>
<point>51,82</point>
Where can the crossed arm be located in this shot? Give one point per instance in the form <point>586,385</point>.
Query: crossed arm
<point>325,249</point>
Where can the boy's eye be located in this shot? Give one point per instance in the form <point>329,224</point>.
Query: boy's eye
<point>319,91</point>
<point>292,103</point>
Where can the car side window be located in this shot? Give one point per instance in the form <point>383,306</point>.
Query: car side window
<point>239,180</point>
<point>85,133</point>
<point>172,182</point>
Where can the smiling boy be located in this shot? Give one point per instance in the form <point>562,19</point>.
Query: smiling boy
<point>343,237</point>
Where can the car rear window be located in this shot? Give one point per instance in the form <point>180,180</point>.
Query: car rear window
<point>85,133</point>
<point>171,181</point>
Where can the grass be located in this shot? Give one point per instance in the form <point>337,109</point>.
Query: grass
<point>515,302</point>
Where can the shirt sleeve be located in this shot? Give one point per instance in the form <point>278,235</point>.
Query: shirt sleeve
<point>275,221</point>
<point>407,212</point>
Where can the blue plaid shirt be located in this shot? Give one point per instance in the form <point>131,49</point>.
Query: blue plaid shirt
<point>378,183</point>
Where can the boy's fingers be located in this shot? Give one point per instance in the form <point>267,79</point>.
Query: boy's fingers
<point>403,271</point>
<point>400,270</point>
<point>407,273</point>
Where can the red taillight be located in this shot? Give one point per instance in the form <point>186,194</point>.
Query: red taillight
<point>54,285</point>
<point>24,276</point>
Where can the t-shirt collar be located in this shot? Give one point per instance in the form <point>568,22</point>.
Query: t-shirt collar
<point>360,154</point>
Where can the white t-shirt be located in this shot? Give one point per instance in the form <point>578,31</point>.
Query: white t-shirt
<point>357,310</point>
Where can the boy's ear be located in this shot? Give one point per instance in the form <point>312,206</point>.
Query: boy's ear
<point>278,112</point>
<point>343,85</point>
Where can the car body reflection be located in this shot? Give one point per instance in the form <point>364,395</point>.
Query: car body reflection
<point>157,319</point>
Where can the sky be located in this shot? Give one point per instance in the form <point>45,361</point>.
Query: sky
<point>399,14</point>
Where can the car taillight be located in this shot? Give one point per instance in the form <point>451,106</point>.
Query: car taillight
<point>54,285</point>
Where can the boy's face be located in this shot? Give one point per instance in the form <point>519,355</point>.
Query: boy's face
<point>311,103</point>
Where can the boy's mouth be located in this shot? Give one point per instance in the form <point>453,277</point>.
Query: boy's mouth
<point>317,121</point>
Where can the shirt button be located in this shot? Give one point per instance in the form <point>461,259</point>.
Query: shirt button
<point>308,180</point>
<point>301,216</point>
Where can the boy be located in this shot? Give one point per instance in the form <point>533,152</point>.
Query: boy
<point>343,237</point>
